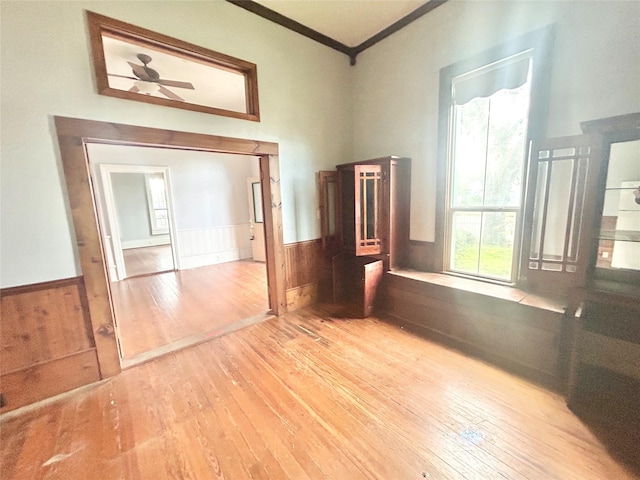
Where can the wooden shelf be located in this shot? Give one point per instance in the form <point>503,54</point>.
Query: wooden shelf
<point>620,235</point>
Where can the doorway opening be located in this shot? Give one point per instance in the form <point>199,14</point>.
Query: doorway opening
<point>135,210</point>
<point>76,137</point>
<point>193,207</point>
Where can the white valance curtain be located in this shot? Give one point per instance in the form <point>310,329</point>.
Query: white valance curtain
<point>509,73</point>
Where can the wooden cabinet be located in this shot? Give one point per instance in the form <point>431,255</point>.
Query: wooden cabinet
<point>582,223</point>
<point>356,281</point>
<point>366,221</point>
<point>604,305</point>
<point>373,206</point>
<point>604,371</point>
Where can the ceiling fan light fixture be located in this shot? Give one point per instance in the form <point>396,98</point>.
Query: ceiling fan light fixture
<point>145,87</point>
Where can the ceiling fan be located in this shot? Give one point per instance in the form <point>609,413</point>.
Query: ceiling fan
<point>147,74</point>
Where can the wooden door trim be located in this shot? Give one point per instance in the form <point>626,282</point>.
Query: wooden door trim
<point>73,136</point>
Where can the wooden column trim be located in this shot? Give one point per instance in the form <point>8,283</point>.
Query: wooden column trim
<point>272,201</point>
<point>92,258</point>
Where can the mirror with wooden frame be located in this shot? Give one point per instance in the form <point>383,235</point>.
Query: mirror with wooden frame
<point>137,64</point>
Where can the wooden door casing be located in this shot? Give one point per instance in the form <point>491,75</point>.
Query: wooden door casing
<point>73,135</point>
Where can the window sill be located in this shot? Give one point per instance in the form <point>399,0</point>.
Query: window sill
<point>503,292</point>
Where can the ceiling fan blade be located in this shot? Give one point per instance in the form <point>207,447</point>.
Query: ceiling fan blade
<point>170,94</point>
<point>122,76</point>
<point>134,89</point>
<point>174,83</point>
<point>140,72</point>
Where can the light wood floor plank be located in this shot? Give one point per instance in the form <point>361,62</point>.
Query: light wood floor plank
<point>146,260</point>
<point>158,310</point>
<point>309,395</point>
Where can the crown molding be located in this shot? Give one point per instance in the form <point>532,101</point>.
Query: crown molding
<point>351,52</point>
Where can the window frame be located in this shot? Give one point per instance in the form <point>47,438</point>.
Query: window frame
<point>153,219</point>
<point>539,42</point>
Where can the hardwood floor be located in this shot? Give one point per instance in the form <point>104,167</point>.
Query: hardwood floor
<point>156,310</point>
<point>146,260</point>
<point>308,396</point>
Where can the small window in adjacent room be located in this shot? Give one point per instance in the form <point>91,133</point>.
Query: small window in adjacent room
<point>157,201</point>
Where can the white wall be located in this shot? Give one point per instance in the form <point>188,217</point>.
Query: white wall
<point>132,207</point>
<point>321,111</point>
<point>595,74</point>
<point>208,193</point>
<point>304,91</point>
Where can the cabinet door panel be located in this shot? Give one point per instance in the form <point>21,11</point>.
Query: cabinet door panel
<point>368,199</point>
<point>559,216</point>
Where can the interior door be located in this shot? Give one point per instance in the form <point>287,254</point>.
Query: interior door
<point>256,219</point>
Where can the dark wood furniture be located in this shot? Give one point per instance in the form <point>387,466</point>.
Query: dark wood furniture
<point>605,311</point>
<point>371,225</point>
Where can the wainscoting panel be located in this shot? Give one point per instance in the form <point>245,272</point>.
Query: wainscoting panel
<point>305,270</point>
<point>208,246</point>
<point>46,342</point>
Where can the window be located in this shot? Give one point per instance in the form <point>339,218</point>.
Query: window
<point>486,164</point>
<point>491,106</point>
<point>157,201</point>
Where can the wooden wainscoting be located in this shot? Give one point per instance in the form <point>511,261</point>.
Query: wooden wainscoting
<point>46,342</point>
<point>306,270</point>
<point>513,331</point>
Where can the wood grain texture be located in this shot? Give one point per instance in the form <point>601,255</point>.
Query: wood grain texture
<point>303,261</point>
<point>148,260</point>
<point>92,258</point>
<point>302,296</point>
<point>73,135</point>
<point>106,132</point>
<point>271,195</point>
<point>308,273</point>
<point>46,343</point>
<point>156,310</point>
<point>310,395</point>
<point>46,379</point>
<point>41,323</point>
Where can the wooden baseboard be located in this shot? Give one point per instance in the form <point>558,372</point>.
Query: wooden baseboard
<point>37,287</point>
<point>302,296</point>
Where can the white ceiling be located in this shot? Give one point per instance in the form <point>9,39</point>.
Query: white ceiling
<point>350,22</point>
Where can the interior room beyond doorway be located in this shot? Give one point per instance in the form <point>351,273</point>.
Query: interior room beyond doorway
<point>203,280</point>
